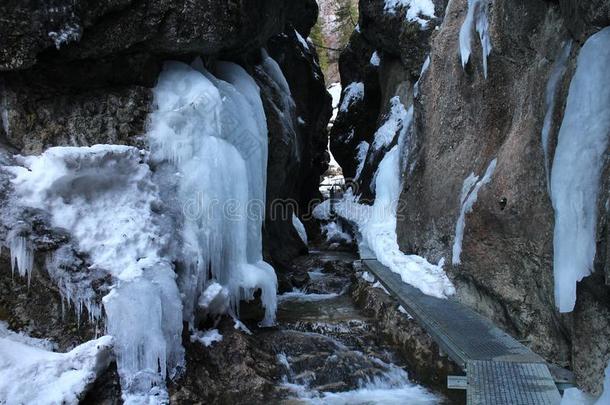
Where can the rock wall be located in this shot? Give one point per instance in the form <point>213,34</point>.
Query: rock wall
<point>462,121</point>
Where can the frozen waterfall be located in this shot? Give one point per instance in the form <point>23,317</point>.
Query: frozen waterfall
<point>577,168</point>
<point>214,135</point>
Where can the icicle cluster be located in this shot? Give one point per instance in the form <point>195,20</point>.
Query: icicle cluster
<point>475,19</point>
<point>214,134</point>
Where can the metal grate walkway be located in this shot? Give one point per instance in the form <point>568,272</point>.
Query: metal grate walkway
<point>500,370</point>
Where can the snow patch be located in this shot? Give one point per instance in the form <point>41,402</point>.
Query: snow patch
<point>207,338</point>
<point>30,374</point>
<point>375,61</point>
<point>420,11</point>
<point>397,122</point>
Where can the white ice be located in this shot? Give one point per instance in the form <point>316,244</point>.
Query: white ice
<point>363,151</point>
<point>470,192</point>
<point>397,123</point>
<point>476,18</point>
<point>375,60</point>
<point>29,374</point>
<point>302,41</point>
<point>352,93</point>
<point>213,132</point>
<point>577,167</point>
<point>300,228</point>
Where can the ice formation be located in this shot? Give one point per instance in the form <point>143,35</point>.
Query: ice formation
<point>577,167</point>
<point>220,177</point>
<point>470,192</point>
<point>352,93</point>
<point>416,9</point>
<point>22,256</point>
<point>424,69</point>
<point>398,123</point>
<point>335,233</point>
<point>31,374</point>
<point>557,73</point>
<point>79,187</point>
<point>69,33</point>
<point>300,228</point>
<point>375,60</point>
<point>475,19</point>
<point>363,151</point>
<point>377,228</point>
<point>302,41</point>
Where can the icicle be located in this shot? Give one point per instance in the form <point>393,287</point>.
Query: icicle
<point>476,18</point>
<point>470,191</point>
<point>577,168</point>
<point>22,256</point>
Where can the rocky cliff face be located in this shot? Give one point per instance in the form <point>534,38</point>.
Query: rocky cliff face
<point>462,121</point>
<point>79,73</point>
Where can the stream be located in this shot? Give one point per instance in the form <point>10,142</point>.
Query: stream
<point>328,349</point>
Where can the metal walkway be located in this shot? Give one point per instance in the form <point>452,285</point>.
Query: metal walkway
<point>500,370</point>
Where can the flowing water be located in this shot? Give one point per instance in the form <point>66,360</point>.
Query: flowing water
<point>328,349</point>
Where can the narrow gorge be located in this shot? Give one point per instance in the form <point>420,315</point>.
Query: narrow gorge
<point>202,201</point>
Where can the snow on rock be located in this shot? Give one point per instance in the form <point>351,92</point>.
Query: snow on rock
<point>30,374</point>
<point>419,11</point>
<point>470,192</point>
<point>207,338</point>
<point>375,60</point>
<point>577,168</point>
<point>335,233</point>
<point>300,228</point>
<point>397,122</point>
<point>335,93</point>
<point>21,337</point>
<point>476,18</point>
<point>557,73</point>
<point>352,93</point>
<point>219,166</point>
<point>574,396</point>
<point>377,227</point>
<point>79,187</point>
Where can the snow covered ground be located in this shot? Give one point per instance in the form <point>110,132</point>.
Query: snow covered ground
<point>32,374</point>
